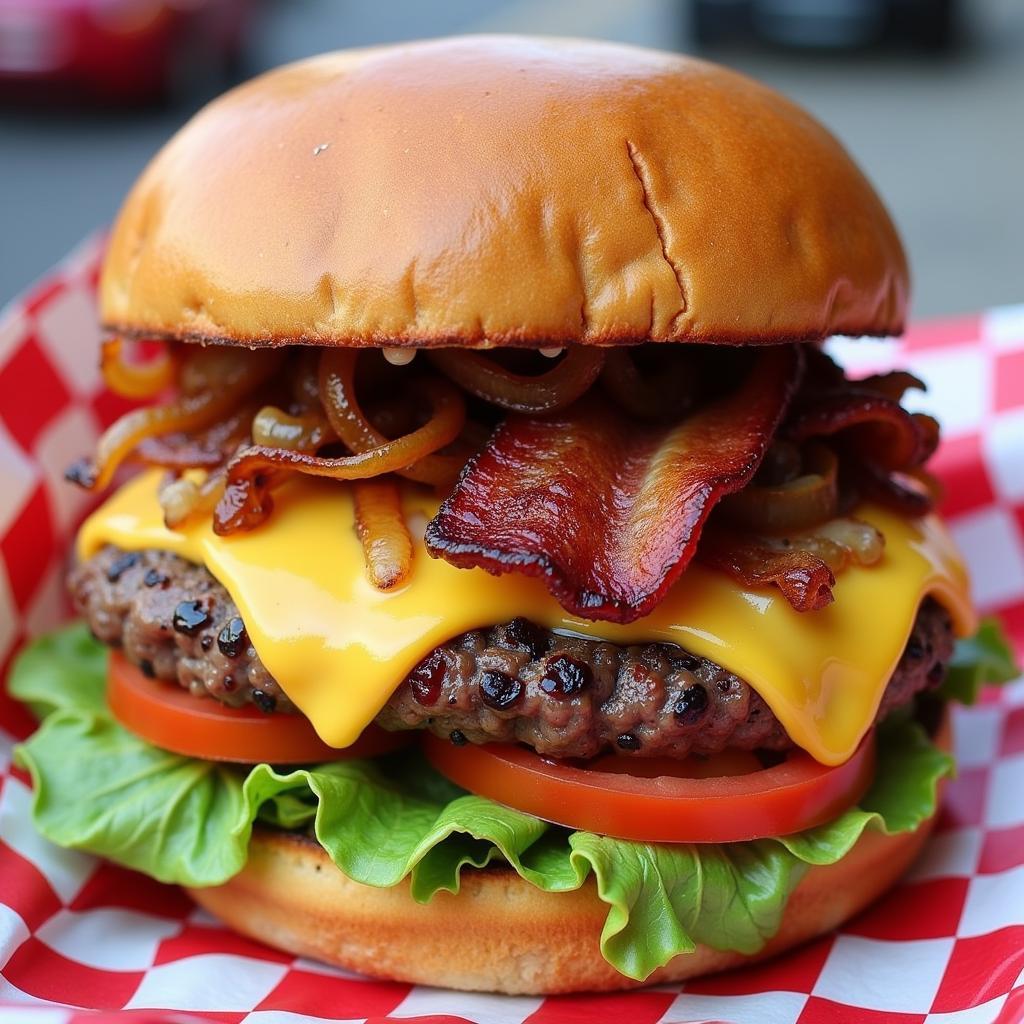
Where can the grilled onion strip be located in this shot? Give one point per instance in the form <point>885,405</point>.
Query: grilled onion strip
<point>349,421</point>
<point>802,565</point>
<point>136,380</point>
<point>274,428</point>
<point>546,392</point>
<point>303,381</point>
<point>206,450</point>
<point>183,497</point>
<point>809,498</point>
<point>246,500</point>
<point>238,375</point>
<point>382,530</point>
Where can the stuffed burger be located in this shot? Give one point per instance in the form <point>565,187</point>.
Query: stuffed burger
<point>512,594</point>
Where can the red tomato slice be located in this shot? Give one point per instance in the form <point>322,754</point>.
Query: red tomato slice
<point>683,804</point>
<point>169,717</point>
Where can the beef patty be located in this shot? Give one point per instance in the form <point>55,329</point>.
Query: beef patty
<point>565,696</point>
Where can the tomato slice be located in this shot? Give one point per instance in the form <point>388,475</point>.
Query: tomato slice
<point>683,804</point>
<point>169,717</point>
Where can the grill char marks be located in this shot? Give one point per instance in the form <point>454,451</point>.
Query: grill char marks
<point>563,696</point>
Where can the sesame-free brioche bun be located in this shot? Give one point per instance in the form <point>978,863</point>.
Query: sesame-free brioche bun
<point>499,190</point>
<point>499,933</point>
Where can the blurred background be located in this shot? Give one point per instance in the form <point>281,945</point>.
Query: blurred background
<point>928,95</point>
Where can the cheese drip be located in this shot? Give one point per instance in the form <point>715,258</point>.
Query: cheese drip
<point>339,648</point>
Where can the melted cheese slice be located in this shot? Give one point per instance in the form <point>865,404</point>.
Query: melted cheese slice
<point>339,648</point>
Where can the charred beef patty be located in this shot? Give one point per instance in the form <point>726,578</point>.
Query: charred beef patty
<point>565,696</point>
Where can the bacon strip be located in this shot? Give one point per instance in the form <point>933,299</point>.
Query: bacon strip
<point>803,566</point>
<point>606,510</point>
<point>805,579</point>
<point>873,428</point>
<point>878,428</point>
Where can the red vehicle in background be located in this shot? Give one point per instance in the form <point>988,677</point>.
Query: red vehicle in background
<point>126,52</point>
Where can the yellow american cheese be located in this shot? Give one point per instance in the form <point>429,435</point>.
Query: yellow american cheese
<point>339,648</point>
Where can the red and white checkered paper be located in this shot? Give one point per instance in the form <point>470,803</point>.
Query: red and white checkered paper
<point>83,941</point>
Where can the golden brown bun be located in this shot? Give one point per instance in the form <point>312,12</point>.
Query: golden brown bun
<point>503,191</point>
<point>500,934</point>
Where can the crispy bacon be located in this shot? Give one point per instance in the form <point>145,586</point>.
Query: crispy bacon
<point>804,577</point>
<point>606,510</point>
<point>910,494</point>
<point>881,445</point>
<point>878,428</point>
<point>803,565</point>
<point>865,416</point>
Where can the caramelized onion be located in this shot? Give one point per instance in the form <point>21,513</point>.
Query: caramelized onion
<point>382,530</point>
<point>546,392</point>
<point>659,395</point>
<point>183,497</point>
<point>882,446</point>
<point>783,461</point>
<point>204,450</point>
<point>136,380</point>
<point>303,381</point>
<point>274,428</point>
<point>238,375</point>
<point>215,367</point>
<point>812,497</point>
<point>247,502</point>
<point>851,540</point>
<point>350,423</point>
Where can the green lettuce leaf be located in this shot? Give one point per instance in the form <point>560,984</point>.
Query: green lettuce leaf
<point>101,789</point>
<point>664,898</point>
<point>97,787</point>
<point>64,669</point>
<point>903,795</point>
<point>983,658</point>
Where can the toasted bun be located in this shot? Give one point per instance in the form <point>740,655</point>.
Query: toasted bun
<point>500,934</point>
<point>503,191</point>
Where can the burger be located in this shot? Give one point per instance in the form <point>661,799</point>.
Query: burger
<point>513,594</point>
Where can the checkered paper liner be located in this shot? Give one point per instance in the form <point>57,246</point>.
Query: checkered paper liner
<point>85,942</point>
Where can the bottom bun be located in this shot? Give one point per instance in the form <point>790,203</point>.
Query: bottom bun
<point>499,933</point>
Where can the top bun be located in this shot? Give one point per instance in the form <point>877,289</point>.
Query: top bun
<point>485,191</point>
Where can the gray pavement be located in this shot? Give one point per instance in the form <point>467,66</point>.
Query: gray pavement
<point>943,140</point>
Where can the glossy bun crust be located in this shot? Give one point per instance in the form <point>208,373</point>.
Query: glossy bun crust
<point>500,934</point>
<point>503,191</point>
